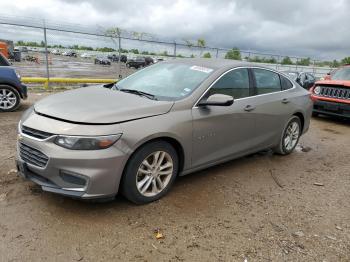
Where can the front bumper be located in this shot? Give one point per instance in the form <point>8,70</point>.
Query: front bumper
<point>24,91</point>
<point>75,173</point>
<point>332,108</point>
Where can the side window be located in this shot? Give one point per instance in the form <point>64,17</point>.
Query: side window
<point>266,81</point>
<point>286,84</point>
<point>234,83</point>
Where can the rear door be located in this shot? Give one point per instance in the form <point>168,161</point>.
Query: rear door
<point>220,132</point>
<point>273,105</point>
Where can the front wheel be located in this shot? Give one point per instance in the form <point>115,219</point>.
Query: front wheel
<point>290,137</point>
<point>9,99</point>
<point>150,172</point>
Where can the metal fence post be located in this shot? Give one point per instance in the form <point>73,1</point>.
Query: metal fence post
<point>119,54</point>
<point>217,53</point>
<point>174,49</point>
<point>47,59</point>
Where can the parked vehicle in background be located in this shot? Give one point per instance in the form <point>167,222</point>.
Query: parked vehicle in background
<point>7,48</point>
<point>11,88</point>
<point>4,61</point>
<point>55,52</point>
<point>123,58</point>
<point>332,97</point>
<point>149,60</point>
<point>23,49</point>
<point>113,58</point>
<point>70,53</point>
<point>101,60</point>
<point>136,62</point>
<point>170,119</point>
<point>86,55</point>
<point>306,80</point>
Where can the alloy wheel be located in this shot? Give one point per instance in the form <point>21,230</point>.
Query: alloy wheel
<point>8,99</point>
<point>291,136</point>
<point>154,173</point>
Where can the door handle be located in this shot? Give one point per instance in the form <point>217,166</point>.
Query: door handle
<point>285,101</point>
<point>249,108</point>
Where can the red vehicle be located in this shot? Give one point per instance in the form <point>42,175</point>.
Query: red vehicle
<point>332,96</point>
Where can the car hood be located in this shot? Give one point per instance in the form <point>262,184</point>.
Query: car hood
<point>345,83</point>
<point>98,105</point>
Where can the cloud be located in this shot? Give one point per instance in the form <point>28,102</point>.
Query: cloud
<point>315,28</point>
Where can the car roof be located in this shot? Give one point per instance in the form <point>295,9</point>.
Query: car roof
<point>214,63</point>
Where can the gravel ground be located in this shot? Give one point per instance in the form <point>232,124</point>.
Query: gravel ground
<point>258,208</point>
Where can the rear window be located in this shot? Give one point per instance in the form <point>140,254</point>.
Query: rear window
<point>285,83</point>
<point>266,81</point>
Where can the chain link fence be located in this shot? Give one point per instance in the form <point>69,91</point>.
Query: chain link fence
<point>50,50</point>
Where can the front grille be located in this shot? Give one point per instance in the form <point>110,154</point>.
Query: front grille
<point>35,133</point>
<point>335,92</point>
<point>32,156</point>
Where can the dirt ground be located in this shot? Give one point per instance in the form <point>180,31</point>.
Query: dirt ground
<point>232,212</point>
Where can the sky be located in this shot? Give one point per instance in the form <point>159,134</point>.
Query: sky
<point>314,28</point>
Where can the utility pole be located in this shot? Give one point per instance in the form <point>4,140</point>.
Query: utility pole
<point>46,57</point>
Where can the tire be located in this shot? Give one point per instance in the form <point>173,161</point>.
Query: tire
<point>9,98</point>
<point>140,184</point>
<point>293,131</point>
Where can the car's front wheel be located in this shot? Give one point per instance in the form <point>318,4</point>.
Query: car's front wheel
<point>150,172</point>
<point>9,98</point>
<point>290,137</point>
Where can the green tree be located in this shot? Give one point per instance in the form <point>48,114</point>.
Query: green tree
<point>346,60</point>
<point>234,54</point>
<point>304,61</point>
<point>335,63</point>
<point>207,55</point>
<point>135,51</point>
<point>286,61</point>
<point>192,56</point>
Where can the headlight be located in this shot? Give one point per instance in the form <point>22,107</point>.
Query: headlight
<point>317,90</point>
<point>86,143</point>
<point>18,75</point>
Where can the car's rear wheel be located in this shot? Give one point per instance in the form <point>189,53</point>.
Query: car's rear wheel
<point>290,137</point>
<point>150,172</point>
<point>9,98</point>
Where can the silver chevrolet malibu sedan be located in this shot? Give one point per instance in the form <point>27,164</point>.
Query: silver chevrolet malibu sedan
<point>172,118</point>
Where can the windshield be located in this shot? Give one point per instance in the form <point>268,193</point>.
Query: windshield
<point>166,80</point>
<point>342,74</point>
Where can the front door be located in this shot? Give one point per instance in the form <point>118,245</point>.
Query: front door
<point>221,132</point>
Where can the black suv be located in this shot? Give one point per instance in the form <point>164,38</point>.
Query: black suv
<point>11,88</point>
<point>136,62</point>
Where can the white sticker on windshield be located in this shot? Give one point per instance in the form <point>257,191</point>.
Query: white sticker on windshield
<point>187,89</point>
<point>202,69</point>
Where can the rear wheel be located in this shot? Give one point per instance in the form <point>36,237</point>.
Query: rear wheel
<point>9,98</point>
<point>290,137</point>
<point>150,172</point>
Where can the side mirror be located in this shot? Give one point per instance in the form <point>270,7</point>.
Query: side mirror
<point>217,100</point>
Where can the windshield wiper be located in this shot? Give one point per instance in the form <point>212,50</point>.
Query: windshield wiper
<point>140,93</point>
